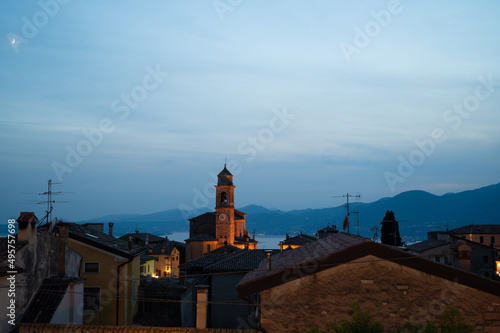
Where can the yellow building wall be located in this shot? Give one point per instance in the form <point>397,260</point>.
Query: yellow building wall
<point>106,279</point>
<point>149,268</point>
<point>167,263</point>
<point>195,250</point>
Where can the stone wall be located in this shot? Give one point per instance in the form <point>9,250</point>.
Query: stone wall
<point>47,328</point>
<point>394,294</point>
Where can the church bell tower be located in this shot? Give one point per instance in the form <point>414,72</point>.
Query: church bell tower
<point>224,207</point>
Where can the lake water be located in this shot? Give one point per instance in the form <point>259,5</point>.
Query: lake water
<point>265,242</point>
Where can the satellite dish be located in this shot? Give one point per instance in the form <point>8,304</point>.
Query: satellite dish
<point>53,223</point>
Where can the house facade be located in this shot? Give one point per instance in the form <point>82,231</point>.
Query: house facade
<point>487,234</point>
<point>111,269</point>
<point>167,260</point>
<point>225,226</point>
<point>317,282</point>
<point>448,249</point>
<point>37,254</point>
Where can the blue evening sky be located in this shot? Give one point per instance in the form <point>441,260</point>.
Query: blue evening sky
<point>134,105</point>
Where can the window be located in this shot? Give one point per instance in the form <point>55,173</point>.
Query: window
<point>208,247</point>
<point>91,267</point>
<point>485,259</point>
<point>493,239</point>
<point>481,239</point>
<point>92,299</point>
<point>437,259</point>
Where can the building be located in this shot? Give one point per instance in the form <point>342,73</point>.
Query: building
<point>38,255</point>
<point>488,234</point>
<point>297,241</point>
<point>225,226</point>
<point>111,269</point>
<point>169,254</point>
<point>59,300</point>
<point>448,249</point>
<point>317,282</point>
<point>148,266</point>
<point>219,272</point>
<point>167,259</point>
<point>325,232</point>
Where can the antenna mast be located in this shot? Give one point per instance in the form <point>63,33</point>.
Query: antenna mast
<point>347,196</point>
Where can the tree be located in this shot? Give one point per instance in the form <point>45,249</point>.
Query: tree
<point>451,322</point>
<point>360,323</point>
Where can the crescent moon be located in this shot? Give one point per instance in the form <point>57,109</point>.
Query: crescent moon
<point>13,41</point>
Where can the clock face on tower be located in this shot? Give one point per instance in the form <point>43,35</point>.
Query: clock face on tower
<point>223,217</point>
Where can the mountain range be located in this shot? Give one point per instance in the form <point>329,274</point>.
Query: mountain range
<point>417,212</point>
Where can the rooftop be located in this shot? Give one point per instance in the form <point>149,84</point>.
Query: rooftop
<point>427,245</point>
<point>341,248</point>
<point>142,236</point>
<point>47,299</point>
<point>300,239</point>
<point>478,229</point>
<point>103,241</point>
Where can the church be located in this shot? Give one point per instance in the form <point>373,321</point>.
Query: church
<point>224,227</point>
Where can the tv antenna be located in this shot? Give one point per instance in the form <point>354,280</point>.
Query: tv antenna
<point>50,202</point>
<point>346,219</point>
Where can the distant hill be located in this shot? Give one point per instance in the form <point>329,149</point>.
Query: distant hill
<point>417,211</point>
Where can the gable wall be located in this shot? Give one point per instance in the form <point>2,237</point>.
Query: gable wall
<point>394,293</point>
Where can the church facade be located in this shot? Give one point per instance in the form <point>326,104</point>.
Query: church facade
<point>224,227</point>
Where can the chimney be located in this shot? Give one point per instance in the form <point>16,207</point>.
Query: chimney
<point>268,255</point>
<point>287,236</point>
<point>281,248</point>
<point>130,243</point>
<point>201,306</point>
<point>110,224</point>
<point>26,228</point>
<point>147,240</point>
<point>62,245</point>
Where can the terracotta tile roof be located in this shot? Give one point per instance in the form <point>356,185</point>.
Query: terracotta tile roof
<point>197,265</point>
<point>432,243</point>
<point>145,257</point>
<point>201,237</point>
<point>244,240</point>
<point>477,229</point>
<point>239,215</point>
<point>242,261</point>
<point>338,249</point>
<point>301,239</point>
<point>224,249</point>
<point>47,299</point>
<point>426,245</point>
<point>161,248</point>
<point>142,236</point>
<point>103,241</point>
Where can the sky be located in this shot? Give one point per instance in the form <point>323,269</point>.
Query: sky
<point>133,107</point>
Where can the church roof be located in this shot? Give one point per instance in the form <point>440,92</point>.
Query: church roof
<point>201,237</point>
<point>224,172</point>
